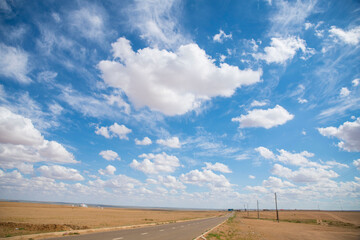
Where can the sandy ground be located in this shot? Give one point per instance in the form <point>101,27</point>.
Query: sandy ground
<point>26,218</point>
<point>254,229</point>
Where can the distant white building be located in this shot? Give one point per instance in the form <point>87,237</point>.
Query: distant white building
<point>83,205</point>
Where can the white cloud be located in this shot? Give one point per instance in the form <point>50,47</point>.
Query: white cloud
<point>258,104</point>
<point>297,159</point>
<point>17,130</point>
<point>145,141</point>
<point>290,16</point>
<point>144,77</point>
<point>344,92</point>
<point>21,142</point>
<point>282,50</point>
<point>305,175</point>
<point>218,167</point>
<point>265,153</point>
<point>56,17</point>
<point>348,133</point>
<point>252,177</point>
<point>119,101</point>
<point>303,132</point>
<point>274,182</point>
<point>356,82</point>
<point>269,118</point>
<point>206,177</point>
<point>170,142</point>
<point>171,182</point>
<point>351,36</point>
<point>114,130</point>
<point>156,163</point>
<point>14,63</point>
<point>308,25</point>
<point>356,163</point>
<point>109,170</point>
<point>60,172</point>
<point>302,100</point>
<point>56,108</point>
<point>88,22</point>
<point>157,22</point>
<point>109,155</point>
<point>336,164</point>
<point>25,168</point>
<point>221,36</point>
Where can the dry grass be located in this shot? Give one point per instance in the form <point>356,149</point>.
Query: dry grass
<point>48,217</point>
<point>297,225</point>
<point>347,218</point>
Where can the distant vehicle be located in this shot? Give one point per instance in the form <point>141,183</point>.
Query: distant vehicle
<point>230,209</point>
<point>83,205</point>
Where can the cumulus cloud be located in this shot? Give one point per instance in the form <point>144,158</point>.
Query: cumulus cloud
<point>21,142</point>
<point>352,36</point>
<point>304,175</point>
<point>109,155</point>
<point>356,163</point>
<point>171,82</point>
<point>60,172</point>
<point>14,63</point>
<point>217,167</point>
<point>145,141</point>
<point>252,177</point>
<point>258,104</point>
<point>265,153</point>
<point>221,36</point>
<point>173,142</point>
<point>156,163</point>
<point>344,92</point>
<point>274,182</point>
<point>283,49</point>
<point>170,182</point>
<point>206,177</point>
<point>114,130</point>
<point>268,118</point>
<point>348,133</point>
<point>109,170</point>
<point>296,159</point>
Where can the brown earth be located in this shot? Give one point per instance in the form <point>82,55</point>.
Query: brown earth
<point>258,229</point>
<point>27,218</point>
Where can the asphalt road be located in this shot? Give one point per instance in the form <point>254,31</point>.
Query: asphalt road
<point>174,231</point>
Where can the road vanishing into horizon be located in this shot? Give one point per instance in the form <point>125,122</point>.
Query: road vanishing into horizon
<point>175,231</point>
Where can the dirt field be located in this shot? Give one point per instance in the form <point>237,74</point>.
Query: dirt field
<point>296,225</point>
<point>27,218</point>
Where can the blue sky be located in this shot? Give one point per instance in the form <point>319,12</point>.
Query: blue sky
<point>204,104</point>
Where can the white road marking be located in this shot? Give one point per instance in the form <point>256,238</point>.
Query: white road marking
<point>144,233</point>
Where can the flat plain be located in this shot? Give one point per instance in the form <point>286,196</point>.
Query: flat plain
<point>27,218</point>
<point>296,225</point>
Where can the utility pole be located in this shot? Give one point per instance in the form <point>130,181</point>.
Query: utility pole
<point>257,203</point>
<point>277,213</point>
<point>248,209</point>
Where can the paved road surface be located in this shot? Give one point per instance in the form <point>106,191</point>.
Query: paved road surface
<point>172,231</point>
